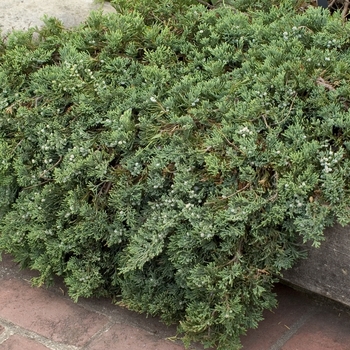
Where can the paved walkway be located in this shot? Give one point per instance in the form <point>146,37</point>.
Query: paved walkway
<point>22,14</point>
<point>39,319</point>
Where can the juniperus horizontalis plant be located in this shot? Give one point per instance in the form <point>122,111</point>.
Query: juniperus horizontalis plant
<point>174,163</point>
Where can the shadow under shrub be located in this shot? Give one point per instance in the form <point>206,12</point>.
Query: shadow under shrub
<point>174,164</point>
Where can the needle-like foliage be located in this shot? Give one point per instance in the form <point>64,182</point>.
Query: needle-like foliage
<point>174,159</point>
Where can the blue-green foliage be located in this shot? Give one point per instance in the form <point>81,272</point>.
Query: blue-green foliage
<point>175,162</point>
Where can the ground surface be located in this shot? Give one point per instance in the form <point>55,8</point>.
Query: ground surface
<point>40,318</point>
<point>22,14</point>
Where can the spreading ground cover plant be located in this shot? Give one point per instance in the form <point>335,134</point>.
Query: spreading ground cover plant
<point>174,159</point>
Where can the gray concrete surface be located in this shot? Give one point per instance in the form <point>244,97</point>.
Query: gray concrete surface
<point>326,271</point>
<point>22,14</point>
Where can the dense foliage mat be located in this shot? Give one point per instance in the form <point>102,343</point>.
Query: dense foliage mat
<point>175,158</point>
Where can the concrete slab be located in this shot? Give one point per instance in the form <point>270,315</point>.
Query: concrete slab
<point>22,14</point>
<point>326,271</point>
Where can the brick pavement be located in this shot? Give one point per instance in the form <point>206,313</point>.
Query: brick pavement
<point>39,319</point>
<point>302,321</point>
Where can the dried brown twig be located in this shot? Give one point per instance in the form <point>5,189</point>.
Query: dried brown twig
<point>345,9</point>
<point>322,82</point>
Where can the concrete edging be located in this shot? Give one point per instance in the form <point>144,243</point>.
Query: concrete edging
<point>326,271</point>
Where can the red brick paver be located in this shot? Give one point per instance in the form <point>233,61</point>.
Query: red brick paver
<point>293,308</point>
<point>43,312</point>
<point>17,342</point>
<point>122,337</point>
<point>301,323</point>
<point>325,330</point>
<point>38,319</point>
